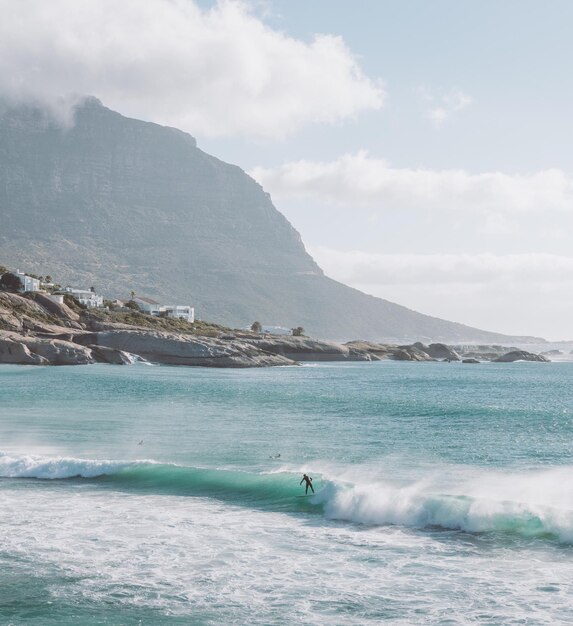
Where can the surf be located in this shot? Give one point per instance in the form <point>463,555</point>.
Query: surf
<point>534,504</point>
<point>276,491</point>
<point>530,503</point>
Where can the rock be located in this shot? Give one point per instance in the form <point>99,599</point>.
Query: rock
<point>355,354</point>
<point>176,349</point>
<point>379,350</point>
<point>110,355</point>
<point>552,353</point>
<point>415,353</point>
<point>521,355</point>
<point>306,349</point>
<point>439,351</point>
<point>401,355</point>
<point>17,353</point>
<point>470,360</point>
<point>487,352</point>
<point>481,356</point>
<point>61,311</point>
<point>28,349</point>
<point>58,352</point>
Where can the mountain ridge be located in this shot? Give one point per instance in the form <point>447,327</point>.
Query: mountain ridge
<point>130,205</point>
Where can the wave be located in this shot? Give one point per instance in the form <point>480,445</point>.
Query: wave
<point>276,491</point>
<point>50,468</point>
<point>414,507</point>
<point>530,504</point>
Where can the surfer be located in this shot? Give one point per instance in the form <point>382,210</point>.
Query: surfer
<point>308,480</point>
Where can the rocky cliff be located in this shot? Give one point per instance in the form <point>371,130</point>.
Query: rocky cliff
<point>37,331</point>
<point>128,205</point>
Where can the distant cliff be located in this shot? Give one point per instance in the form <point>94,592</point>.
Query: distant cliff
<point>128,205</point>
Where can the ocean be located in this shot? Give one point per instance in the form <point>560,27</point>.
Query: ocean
<point>156,495</point>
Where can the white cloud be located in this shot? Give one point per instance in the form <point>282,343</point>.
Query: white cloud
<point>520,294</point>
<point>441,108</point>
<point>358,180</point>
<point>356,267</point>
<point>215,72</point>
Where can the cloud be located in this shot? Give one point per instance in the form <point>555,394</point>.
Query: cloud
<point>420,269</point>
<point>359,180</point>
<point>215,72</point>
<point>513,293</point>
<point>441,108</point>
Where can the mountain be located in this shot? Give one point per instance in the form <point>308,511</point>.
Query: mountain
<point>127,205</point>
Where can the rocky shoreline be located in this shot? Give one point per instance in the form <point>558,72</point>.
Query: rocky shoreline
<point>37,331</point>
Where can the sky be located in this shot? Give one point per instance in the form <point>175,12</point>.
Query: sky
<point>421,148</point>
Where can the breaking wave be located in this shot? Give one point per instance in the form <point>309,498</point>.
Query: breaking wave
<point>530,504</point>
<point>418,506</point>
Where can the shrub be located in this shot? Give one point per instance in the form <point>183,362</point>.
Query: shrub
<point>10,282</point>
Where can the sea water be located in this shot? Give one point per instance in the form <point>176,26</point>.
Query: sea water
<point>156,495</point>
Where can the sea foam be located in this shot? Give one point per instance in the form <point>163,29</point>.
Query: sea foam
<point>34,466</point>
<point>530,503</point>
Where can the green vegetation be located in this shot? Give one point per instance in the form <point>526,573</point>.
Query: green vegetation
<point>169,324</point>
<point>298,331</point>
<point>257,327</point>
<point>10,282</point>
<point>76,306</point>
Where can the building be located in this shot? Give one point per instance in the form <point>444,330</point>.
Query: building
<point>84,296</point>
<point>183,312</point>
<point>151,307</point>
<point>28,283</point>
<point>146,305</point>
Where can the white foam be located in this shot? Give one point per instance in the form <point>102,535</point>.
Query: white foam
<point>189,558</point>
<point>528,503</point>
<point>34,466</point>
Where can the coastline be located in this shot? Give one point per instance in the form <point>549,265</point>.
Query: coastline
<point>36,331</point>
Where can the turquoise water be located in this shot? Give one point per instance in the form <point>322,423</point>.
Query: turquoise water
<point>154,495</point>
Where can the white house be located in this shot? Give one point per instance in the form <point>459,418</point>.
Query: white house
<point>151,307</point>
<point>85,296</point>
<point>147,305</point>
<point>28,283</point>
<point>181,311</point>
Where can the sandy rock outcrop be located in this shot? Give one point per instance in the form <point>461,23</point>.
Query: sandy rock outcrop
<point>17,353</point>
<point>438,351</point>
<point>176,349</point>
<point>32,350</point>
<point>110,355</point>
<point>306,349</point>
<point>380,350</point>
<point>409,353</point>
<point>16,312</point>
<point>61,311</point>
<point>521,355</point>
<point>58,352</point>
